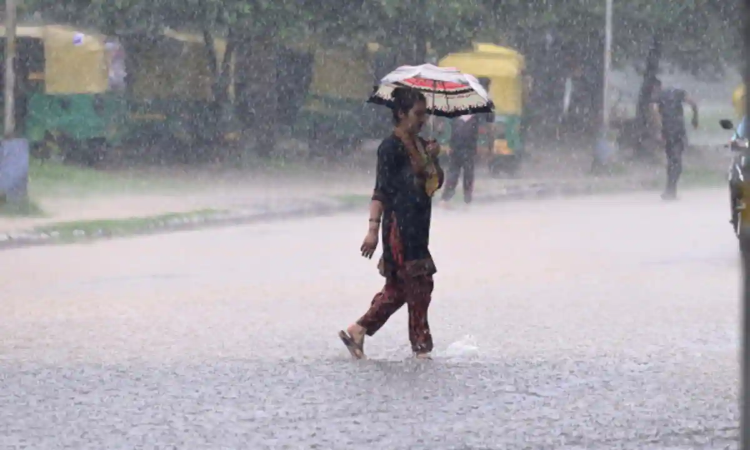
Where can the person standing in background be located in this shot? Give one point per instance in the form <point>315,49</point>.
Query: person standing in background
<point>671,120</point>
<point>463,142</point>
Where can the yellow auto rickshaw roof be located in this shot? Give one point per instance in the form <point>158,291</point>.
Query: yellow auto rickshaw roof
<point>60,33</point>
<point>27,31</point>
<point>503,66</point>
<point>483,65</point>
<point>487,60</point>
<point>482,47</point>
<point>75,59</point>
<point>161,72</point>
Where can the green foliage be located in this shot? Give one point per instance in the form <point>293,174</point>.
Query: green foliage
<point>691,28</point>
<point>138,15</point>
<point>697,35</point>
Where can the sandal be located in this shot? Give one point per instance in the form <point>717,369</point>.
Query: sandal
<point>356,349</point>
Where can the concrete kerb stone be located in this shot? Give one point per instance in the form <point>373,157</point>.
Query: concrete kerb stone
<point>182,223</point>
<point>561,189</point>
<point>299,210</point>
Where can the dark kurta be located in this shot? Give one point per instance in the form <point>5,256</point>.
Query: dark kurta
<point>672,113</point>
<point>407,212</point>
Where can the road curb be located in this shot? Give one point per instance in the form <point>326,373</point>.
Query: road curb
<point>307,209</point>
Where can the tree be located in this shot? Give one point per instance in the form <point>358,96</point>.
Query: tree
<point>641,128</point>
<point>405,26</point>
<point>697,35</point>
<point>446,25</point>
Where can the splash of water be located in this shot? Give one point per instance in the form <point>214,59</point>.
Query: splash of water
<point>464,347</point>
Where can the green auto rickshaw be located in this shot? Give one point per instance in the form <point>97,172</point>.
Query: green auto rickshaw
<point>65,101</point>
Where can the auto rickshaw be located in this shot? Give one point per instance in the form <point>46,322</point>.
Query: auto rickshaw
<point>504,69</point>
<point>333,113</point>
<point>170,88</point>
<point>64,101</point>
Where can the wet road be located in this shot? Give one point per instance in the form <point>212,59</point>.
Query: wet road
<point>591,323</point>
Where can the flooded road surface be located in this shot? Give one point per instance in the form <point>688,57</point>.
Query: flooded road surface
<point>595,323</point>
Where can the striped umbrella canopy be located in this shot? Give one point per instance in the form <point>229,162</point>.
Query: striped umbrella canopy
<point>449,92</point>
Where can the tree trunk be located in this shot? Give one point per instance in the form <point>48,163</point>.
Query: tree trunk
<point>259,96</point>
<point>223,77</point>
<point>220,70</point>
<point>548,67</point>
<point>208,138</point>
<point>644,99</point>
<point>420,36</point>
<point>420,48</point>
<point>220,107</point>
<point>213,59</point>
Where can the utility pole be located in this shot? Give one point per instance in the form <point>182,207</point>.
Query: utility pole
<point>607,66</point>
<point>603,149</point>
<point>10,76</point>
<point>14,153</point>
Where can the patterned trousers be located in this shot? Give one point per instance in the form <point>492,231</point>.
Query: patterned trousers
<point>416,293</point>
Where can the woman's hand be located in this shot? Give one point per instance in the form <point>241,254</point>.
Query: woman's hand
<point>370,244</point>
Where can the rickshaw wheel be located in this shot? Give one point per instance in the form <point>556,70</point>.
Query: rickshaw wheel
<point>89,152</point>
<point>41,151</point>
<point>95,152</point>
<point>48,148</point>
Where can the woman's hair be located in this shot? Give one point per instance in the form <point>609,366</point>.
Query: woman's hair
<point>404,99</point>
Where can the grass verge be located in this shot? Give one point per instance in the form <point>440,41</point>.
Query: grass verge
<point>53,179</point>
<point>25,209</point>
<point>71,231</point>
<point>352,200</point>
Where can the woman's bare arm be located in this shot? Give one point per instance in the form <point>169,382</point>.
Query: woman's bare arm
<point>371,239</point>
<point>376,215</point>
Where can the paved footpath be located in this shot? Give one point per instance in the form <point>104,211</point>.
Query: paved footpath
<point>257,193</point>
<point>598,323</point>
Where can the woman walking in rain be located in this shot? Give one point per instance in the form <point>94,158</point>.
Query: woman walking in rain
<point>408,175</point>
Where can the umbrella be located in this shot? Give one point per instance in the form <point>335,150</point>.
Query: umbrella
<point>449,92</point>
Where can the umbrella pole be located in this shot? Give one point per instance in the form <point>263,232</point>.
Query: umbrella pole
<point>432,116</point>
